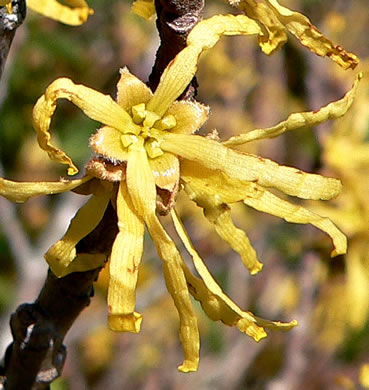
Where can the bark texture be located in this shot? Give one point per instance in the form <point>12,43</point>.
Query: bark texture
<point>9,22</point>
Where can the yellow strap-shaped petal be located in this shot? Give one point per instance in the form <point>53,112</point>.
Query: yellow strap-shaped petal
<point>131,90</point>
<point>271,204</point>
<point>124,262</point>
<point>220,217</point>
<point>216,304</point>
<point>177,287</point>
<point>83,262</point>
<point>298,120</point>
<point>142,191</point>
<point>272,32</point>
<point>300,26</point>
<point>140,180</point>
<point>62,253</point>
<point>180,71</point>
<point>75,15</point>
<point>144,8</point>
<point>244,166</point>
<point>206,188</point>
<point>21,191</point>
<point>210,189</point>
<point>95,105</point>
<point>274,19</point>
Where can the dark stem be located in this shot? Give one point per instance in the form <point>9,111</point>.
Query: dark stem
<point>175,20</point>
<point>9,22</point>
<point>37,355</point>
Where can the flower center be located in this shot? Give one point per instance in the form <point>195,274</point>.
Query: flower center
<point>148,122</point>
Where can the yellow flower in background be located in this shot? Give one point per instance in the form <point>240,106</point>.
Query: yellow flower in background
<point>349,138</point>
<point>72,12</point>
<point>145,153</point>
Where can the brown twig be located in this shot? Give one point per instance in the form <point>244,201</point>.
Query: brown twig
<point>37,354</point>
<point>176,18</point>
<point>9,22</point>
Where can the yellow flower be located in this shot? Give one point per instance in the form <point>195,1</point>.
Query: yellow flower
<point>274,21</point>
<point>349,137</point>
<point>73,12</point>
<point>145,153</point>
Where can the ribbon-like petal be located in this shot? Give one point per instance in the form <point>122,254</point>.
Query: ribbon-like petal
<point>220,217</point>
<point>301,27</point>
<point>211,189</point>
<point>141,187</point>
<point>177,287</point>
<point>216,304</point>
<point>21,191</point>
<point>248,167</point>
<point>299,120</point>
<point>275,19</point>
<point>63,252</point>
<point>124,262</point>
<point>95,105</point>
<point>180,71</point>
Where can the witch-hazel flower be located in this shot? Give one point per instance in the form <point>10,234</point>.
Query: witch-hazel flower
<point>145,152</point>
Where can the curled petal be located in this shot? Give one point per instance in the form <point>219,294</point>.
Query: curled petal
<point>75,14</point>
<point>298,120</point>
<point>271,204</point>
<point>216,304</point>
<point>244,166</point>
<point>165,169</point>
<point>180,71</point>
<point>94,104</point>
<point>124,262</point>
<point>177,287</point>
<point>275,19</point>
<point>131,90</point>
<point>301,27</point>
<point>190,116</point>
<point>21,191</point>
<point>272,32</point>
<point>237,239</point>
<point>62,253</point>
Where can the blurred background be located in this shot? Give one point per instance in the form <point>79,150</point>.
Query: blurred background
<point>245,89</point>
